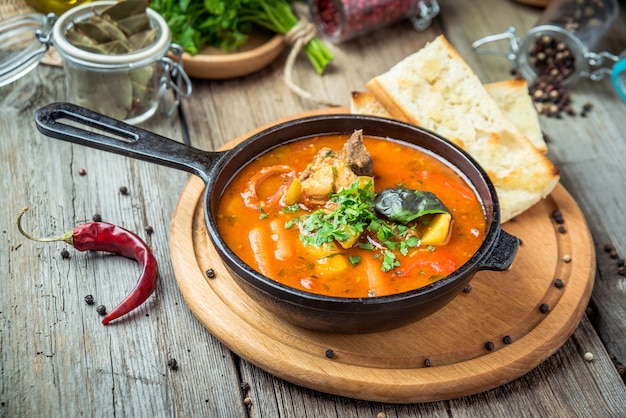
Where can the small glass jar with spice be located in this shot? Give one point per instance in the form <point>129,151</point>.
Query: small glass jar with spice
<point>125,79</point>
<point>341,20</point>
<point>559,48</point>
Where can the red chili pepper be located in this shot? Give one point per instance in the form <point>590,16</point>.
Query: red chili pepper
<point>104,236</point>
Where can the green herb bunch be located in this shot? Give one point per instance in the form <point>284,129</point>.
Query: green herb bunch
<point>226,24</point>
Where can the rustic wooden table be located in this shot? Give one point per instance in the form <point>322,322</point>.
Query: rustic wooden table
<point>58,360</point>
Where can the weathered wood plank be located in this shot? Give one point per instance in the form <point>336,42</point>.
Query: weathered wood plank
<point>62,361</point>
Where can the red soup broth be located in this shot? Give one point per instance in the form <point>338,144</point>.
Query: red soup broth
<point>259,237</point>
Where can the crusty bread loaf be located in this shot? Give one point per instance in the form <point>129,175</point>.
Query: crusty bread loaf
<point>511,96</point>
<point>436,89</point>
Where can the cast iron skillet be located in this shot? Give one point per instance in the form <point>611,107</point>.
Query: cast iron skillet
<point>331,314</point>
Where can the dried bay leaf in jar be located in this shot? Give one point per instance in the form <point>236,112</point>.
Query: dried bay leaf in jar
<point>113,55</point>
<point>116,56</point>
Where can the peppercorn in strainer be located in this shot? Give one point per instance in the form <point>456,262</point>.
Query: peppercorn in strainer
<point>127,86</point>
<point>558,50</point>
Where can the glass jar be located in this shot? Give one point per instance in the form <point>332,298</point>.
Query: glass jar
<point>587,20</point>
<point>618,76</point>
<point>341,20</point>
<point>559,47</point>
<point>123,86</point>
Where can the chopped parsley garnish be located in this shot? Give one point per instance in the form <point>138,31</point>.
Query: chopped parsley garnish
<point>353,214</point>
<point>292,208</point>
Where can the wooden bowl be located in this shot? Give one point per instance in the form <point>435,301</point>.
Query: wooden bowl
<point>262,48</point>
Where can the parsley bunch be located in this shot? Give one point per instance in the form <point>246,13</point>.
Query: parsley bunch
<point>354,214</point>
<point>226,24</point>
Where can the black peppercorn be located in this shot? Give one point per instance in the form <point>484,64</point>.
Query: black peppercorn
<point>329,353</point>
<point>561,229</point>
<point>489,346</point>
<point>101,309</point>
<point>558,283</point>
<point>210,273</point>
<point>544,308</point>
<point>149,230</point>
<point>124,190</point>
<point>467,288</point>
<point>172,364</point>
<point>97,218</point>
<point>608,248</point>
<point>507,339</point>
<point>557,216</point>
<point>428,362</point>
<point>65,253</point>
<point>89,299</point>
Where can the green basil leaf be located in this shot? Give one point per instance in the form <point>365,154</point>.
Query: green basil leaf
<point>404,205</point>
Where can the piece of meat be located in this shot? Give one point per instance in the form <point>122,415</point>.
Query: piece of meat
<point>325,175</point>
<point>357,156</point>
<point>332,171</point>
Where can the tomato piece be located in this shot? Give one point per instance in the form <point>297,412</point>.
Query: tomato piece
<point>435,263</point>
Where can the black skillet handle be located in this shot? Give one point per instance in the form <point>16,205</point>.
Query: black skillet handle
<point>112,135</point>
<point>503,252</point>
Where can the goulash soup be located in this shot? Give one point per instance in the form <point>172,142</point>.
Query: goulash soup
<point>351,216</point>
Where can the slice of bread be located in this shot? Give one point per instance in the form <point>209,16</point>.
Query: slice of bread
<point>511,97</point>
<point>515,102</point>
<point>436,89</point>
<point>364,103</point>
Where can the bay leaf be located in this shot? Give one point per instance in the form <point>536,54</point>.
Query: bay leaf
<point>134,24</point>
<point>142,39</point>
<point>109,28</point>
<point>92,30</point>
<point>123,9</point>
<point>80,40</point>
<point>141,80</point>
<point>116,47</point>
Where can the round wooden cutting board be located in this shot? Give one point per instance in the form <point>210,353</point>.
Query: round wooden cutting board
<point>443,356</point>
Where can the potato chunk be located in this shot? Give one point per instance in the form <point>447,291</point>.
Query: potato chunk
<point>438,231</point>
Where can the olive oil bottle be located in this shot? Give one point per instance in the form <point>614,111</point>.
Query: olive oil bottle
<point>54,6</point>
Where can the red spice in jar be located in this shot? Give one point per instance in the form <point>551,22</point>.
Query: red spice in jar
<point>344,19</point>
